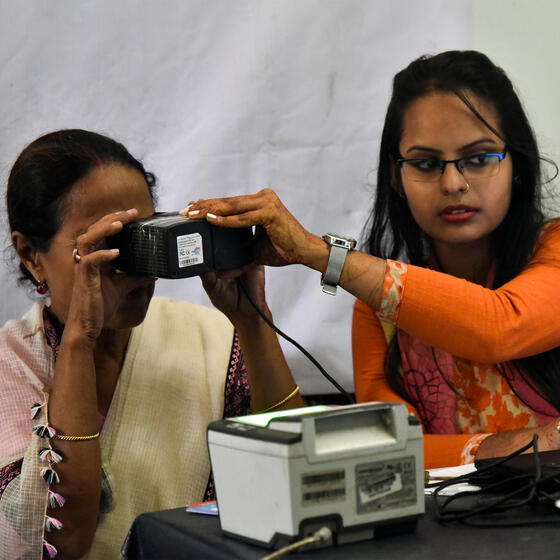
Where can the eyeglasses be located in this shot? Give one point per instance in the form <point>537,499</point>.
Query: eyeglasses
<point>431,169</point>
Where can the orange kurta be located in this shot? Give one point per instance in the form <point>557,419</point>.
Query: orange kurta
<point>478,327</point>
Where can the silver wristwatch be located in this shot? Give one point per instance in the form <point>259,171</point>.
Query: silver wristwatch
<point>339,249</point>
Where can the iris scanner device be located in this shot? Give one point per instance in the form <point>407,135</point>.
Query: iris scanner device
<point>169,245</point>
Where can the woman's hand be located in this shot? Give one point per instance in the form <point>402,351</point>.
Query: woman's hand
<point>225,294</point>
<point>504,443</point>
<point>281,239</point>
<point>94,300</point>
<point>269,376</point>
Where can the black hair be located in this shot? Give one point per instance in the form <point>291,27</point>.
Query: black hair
<point>393,232</point>
<point>45,172</point>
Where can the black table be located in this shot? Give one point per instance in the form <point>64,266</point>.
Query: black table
<point>176,534</point>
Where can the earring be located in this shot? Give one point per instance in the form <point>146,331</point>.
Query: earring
<point>42,288</point>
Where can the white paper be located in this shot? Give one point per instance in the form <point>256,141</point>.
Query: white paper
<point>447,473</point>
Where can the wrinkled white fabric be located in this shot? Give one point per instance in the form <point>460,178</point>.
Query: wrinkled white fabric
<point>153,441</point>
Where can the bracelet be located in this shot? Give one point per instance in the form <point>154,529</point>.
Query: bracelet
<point>76,438</point>
<point>280,403</point>
<point>68,438</point>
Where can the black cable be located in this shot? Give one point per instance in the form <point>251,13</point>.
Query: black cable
<point>502,502</point>
<point>532,494</point>
<point>492,505</point>
<point>488,467</point>
<point>296,344</point>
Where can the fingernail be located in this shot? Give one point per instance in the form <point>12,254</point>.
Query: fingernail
<point>194,213</point>
<point>114,224</point>
<point>115,251</point>
<point>185,210</point>
<point>211,216</point>
<point>131,211</point>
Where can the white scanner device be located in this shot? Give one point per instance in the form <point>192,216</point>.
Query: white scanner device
<point>281,476</point>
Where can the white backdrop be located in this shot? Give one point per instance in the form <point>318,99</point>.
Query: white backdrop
<point>223,97</point>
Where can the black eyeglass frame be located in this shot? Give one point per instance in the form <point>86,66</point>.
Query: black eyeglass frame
<point>442,163</point>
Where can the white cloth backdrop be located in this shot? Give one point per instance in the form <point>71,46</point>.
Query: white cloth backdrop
<point>223,97</point>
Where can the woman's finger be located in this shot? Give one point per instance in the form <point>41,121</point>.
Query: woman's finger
<point>265,200</point>
<point>261,217</point>
<point>101,226</point>
<point>96,258</point>
<point>108,225</point>
<point>209,280</point>
<point>123,216</point>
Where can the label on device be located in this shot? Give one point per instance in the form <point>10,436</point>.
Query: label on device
<point>189,250</point>
<point>385,484</point>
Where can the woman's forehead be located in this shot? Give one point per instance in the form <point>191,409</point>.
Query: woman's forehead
<point>111,186</point>
<point>443,121</point>
<point>106,189</point>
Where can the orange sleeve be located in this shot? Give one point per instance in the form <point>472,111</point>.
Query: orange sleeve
<point>444,450</point>
<point>368,353</point>
<point>517,320</point>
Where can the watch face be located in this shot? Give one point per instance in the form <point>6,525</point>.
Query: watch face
<point>340,241</point>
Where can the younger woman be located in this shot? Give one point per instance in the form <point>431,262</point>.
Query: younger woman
<point>458,298</point>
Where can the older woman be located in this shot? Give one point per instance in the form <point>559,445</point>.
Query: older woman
<point>106,393</point>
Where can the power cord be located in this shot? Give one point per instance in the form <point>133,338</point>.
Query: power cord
<point>292,341</point>
<point>320,536</point>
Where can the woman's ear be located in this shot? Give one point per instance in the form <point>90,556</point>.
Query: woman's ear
<point>29,256</point>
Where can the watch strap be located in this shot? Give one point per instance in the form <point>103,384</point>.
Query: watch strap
<point>331,277</point>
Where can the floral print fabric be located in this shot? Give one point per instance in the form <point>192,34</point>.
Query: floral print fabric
<point>454,395</point>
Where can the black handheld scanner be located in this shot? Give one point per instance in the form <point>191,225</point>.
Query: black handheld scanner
<point>168,245</point>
